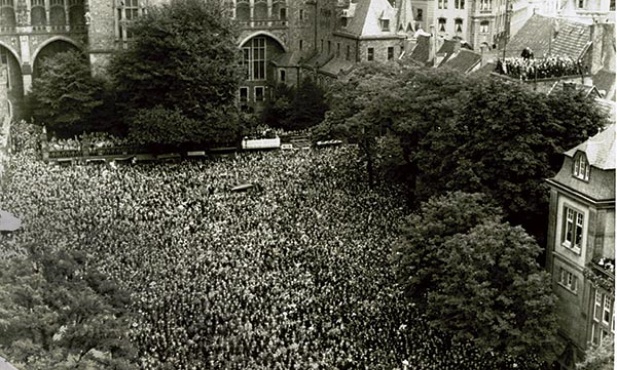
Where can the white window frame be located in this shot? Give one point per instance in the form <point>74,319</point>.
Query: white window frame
<point>568,280</point>
<point>442,4</point>
<point>581,167</point>
<point>484,26</point>
<point>574,220</point>
<point>442,22</point>
<point>243,88</point>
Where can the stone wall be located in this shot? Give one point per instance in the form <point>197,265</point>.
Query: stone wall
<point>5,121</point>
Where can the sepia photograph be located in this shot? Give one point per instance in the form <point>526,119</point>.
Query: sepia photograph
<point>307,184</point>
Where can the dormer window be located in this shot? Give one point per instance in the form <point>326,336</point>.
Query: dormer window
<point>385,25</point>
<point>581,167</point>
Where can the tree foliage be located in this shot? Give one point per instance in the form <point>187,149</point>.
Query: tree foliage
<point>58,313</point>
<point>66,98</point>
<point>462,133</point>
<point>601,357</point>
<point>183,59</point>
<point>477,278</point>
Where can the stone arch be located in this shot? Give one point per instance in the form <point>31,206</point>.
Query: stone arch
<point>12,51</point>
<point>263,33</point>
<point>54,45</point>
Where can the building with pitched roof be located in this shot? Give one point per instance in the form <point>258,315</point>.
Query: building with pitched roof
<point>581,244</point>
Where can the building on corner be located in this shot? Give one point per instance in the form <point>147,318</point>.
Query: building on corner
<point>581,245</point>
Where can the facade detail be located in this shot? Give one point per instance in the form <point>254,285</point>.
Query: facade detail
<point>581,244</point>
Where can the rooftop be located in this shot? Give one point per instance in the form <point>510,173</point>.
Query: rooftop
<point>542,34</point>
<point>599,149</point>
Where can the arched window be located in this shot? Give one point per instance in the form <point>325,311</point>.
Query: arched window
<point>38,16</point>
<point>77,19</point>
<point>243,11</point>
<point>581,167</point>
<point>57,16</point>
<point>7,15</point>
<point>260,11</point>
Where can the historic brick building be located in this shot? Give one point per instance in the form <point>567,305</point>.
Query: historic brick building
<point>581,244</point>
<point>280,40</point>
<point>30,30</point>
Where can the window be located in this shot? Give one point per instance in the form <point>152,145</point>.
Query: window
<point>127,14</point>
<point>259,93</point>
<point>329,47</point>
<point>283,14</point>
<point>485,5</point>
<point>390,53</point>
<point>607,311</point>
<point>385,25</point>
<point>568,280</point>
<point>338,49</point>
<point>581,167</point>
<point>580,4</point>
<point>38,15</point>
<point>459,4</point>
<point>348,53</point>
<point>458,25</point>
<point>244,95</point>
<point>300,44</point>
<point>301,14</point>
<point>612,6</point>
<point>370,54</point>
<point>343,22</point>
<point>57,16</point>
<point>282,75</point>
<point>442,4</point>
<point>7,15</point>
<point>254,59</point>
<point>603,318</point>
<point>419,14</point>
<point>322,45</point>
<point>484,27</point>
<point>442,24</point>
<point>597,306</point>
<point>573,230</point>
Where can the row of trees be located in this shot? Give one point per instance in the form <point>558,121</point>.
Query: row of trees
<point>436,130</point>
<point>175,83</point>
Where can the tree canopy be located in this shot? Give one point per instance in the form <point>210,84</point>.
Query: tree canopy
<point>183,59</point>
<point>477,279</point>
<point>456,132</point>
<point>66,98</point>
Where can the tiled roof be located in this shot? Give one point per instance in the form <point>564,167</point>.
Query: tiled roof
<point>570,38</point>
<point>599,149</point>
<point>464,61</point>
<point>317,60</point>
<point>486,69</point>
<point>287,59</point>
<point>605,80</point>
<point>421,52</point>
<point>367,16</point>
<point>336,66</point>
<point>355,24</point>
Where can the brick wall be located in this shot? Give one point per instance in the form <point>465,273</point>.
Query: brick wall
<point>380,49</point>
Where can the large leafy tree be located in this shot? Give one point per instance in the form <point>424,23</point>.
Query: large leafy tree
<point>477,279</point>
<point>66,98</point>
<point>182,60</point>
<point>355,115</point>
<point>57,312</point>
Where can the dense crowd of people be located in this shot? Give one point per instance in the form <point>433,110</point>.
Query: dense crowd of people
<point>529,69</point>
<point>293,274</point>
<point>94,141</point>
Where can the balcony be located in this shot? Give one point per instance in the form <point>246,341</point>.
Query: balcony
<point>272,23</point>
<point>601,272</point>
